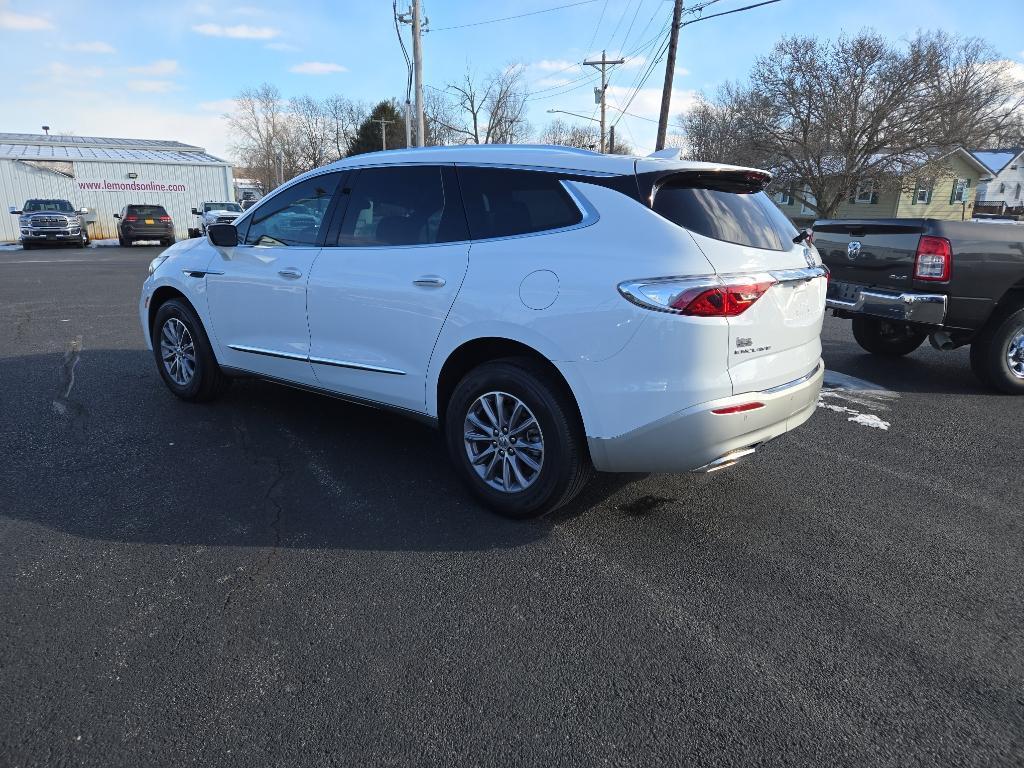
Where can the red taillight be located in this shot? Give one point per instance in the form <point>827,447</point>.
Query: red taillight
<point>165,219</point>
<point>131,218</point>
<point>721,301</point>
<point>934,259</point>
<point>738,408</point>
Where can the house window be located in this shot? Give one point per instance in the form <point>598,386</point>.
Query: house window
<point>785,197</point>
<point>960,187</point>
<point>923,192</point>
<point>1002,188</point>
<point>865,192</point>
<point>1017,195</point>
<point>808,201</point>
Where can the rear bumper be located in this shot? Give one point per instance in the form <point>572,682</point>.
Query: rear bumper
<point>698,439</point>
<point>926,308</point>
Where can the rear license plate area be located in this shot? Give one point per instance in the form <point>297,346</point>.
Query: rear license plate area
<point>844,291</point>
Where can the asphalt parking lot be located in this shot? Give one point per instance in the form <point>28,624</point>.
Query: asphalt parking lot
<point>283,579</point>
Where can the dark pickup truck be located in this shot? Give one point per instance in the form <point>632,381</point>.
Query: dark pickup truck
<point>956,282</point>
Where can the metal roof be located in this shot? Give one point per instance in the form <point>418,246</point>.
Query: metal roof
<point>29,146</point>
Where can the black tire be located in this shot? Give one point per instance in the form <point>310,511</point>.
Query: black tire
<point>122,242</point>
<point>565,467</point>
<point>881,337</point>
<point>991,349</point>
<point>207,381</point>
<point>167,242</point>
<point>27,246</point>
<point>83,241</point>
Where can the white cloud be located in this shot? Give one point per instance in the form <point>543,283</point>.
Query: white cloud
<point>92,47</point>
<point>281,47</point>
<point>647,102</point>
<point>60,72</point>
<point>220,106</point>
<point>317,68</point>
<point>553,65</point>
<point>153,86</point>
<point>20,22</point>
<point>158,68</point>
<point>239,31</point>
<point>551,82</point>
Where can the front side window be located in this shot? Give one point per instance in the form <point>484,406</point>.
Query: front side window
<point>294,216</point>
<point>401,205</point>
<point>503,202</point>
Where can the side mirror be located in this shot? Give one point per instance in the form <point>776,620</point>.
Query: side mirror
<point>117,215</point>
<point>196,213</point>
<point>224,235</point>
<point>14,211</point>
<point>83,211</point>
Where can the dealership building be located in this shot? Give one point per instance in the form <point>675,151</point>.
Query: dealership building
<point>104,175</point>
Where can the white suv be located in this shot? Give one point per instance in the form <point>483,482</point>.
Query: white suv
<point>552,310</point>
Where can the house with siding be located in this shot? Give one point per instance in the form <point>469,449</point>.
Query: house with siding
<point>1004,193</point>
<point>949,196</point>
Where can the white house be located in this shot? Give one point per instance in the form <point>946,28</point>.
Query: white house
<point>1006,187</point>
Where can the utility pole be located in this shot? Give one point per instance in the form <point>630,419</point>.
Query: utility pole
<point>611,140</point>
<point>383,132</point>
<point>417,58</point>
<point>670,70</point>
<point>403,18</point>
<point>599,94</point>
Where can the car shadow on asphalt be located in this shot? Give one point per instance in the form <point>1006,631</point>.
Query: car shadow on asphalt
<point>105,451</point>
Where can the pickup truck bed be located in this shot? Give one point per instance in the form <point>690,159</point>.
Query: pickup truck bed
<point>903,280</point>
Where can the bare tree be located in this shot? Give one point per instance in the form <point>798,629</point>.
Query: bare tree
<point>491,111</point>
<point>441,116</point>
<point>260,126</point>
<point>310,125</point>
<point>825,116</point>
<point>344,118</point>
<point>566,134</point>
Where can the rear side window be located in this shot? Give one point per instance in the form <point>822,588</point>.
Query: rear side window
<point>149,211</point>
<point>401,205</point>
<point>504,202</point>
<point>744,218</point>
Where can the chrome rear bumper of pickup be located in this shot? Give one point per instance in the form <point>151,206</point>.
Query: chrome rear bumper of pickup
<point>929,308</point>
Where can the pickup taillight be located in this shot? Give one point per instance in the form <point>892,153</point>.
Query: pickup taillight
<point>933,260</point>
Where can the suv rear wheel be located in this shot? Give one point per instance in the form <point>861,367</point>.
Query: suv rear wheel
<point>183,354</point>
<point>515,438</point>
<point>881,337</point>
<point>997,355</point>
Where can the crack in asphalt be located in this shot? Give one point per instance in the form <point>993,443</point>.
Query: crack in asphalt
<point>63,405</point>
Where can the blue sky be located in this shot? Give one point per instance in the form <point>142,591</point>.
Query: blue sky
<point>170,70</point>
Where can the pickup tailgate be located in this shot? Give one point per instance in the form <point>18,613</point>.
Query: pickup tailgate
<point>876,254</point>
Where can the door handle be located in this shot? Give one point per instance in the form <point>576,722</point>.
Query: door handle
<point>429,281</point>
<point>291,273</point>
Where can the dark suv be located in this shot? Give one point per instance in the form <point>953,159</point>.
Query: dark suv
<point>144,222</point>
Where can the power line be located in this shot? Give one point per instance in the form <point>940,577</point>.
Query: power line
<point>726,13</point>
<point>600,18</point>
<point>517,16</point>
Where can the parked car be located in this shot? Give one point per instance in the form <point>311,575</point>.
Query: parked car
<point>46,222</point>
<point>551,310</point>
<point>144,222</point>
<point>958,282</point>
<point>216,213</point>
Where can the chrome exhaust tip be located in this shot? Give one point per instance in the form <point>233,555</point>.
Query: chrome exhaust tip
<point>725,461</point>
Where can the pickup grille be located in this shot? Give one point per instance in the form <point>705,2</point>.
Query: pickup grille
<point>50,222</point>
<point>226,219</point>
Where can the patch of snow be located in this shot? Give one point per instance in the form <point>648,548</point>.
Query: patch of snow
<point>866,419</point>
<point>850,389</point>
<point>10,247</point>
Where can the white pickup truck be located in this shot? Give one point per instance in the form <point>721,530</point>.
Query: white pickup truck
<point>216,213</point>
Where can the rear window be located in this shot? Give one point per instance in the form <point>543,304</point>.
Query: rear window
<point>503,202</point>
<point>744,218</point>
<point>149,211</point>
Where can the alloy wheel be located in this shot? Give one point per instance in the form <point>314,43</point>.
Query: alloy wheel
<point>177,351</point>
<point>504,442</point>
<point>1015,354</point>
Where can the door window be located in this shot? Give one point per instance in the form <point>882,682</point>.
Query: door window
<point>293,217</point>
<point>401,205</point>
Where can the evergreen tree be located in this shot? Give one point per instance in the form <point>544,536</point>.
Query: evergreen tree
<point>368,135</point>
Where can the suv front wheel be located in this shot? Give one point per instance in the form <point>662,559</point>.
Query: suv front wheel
<point>183,354</point>
<point>515,438</point>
